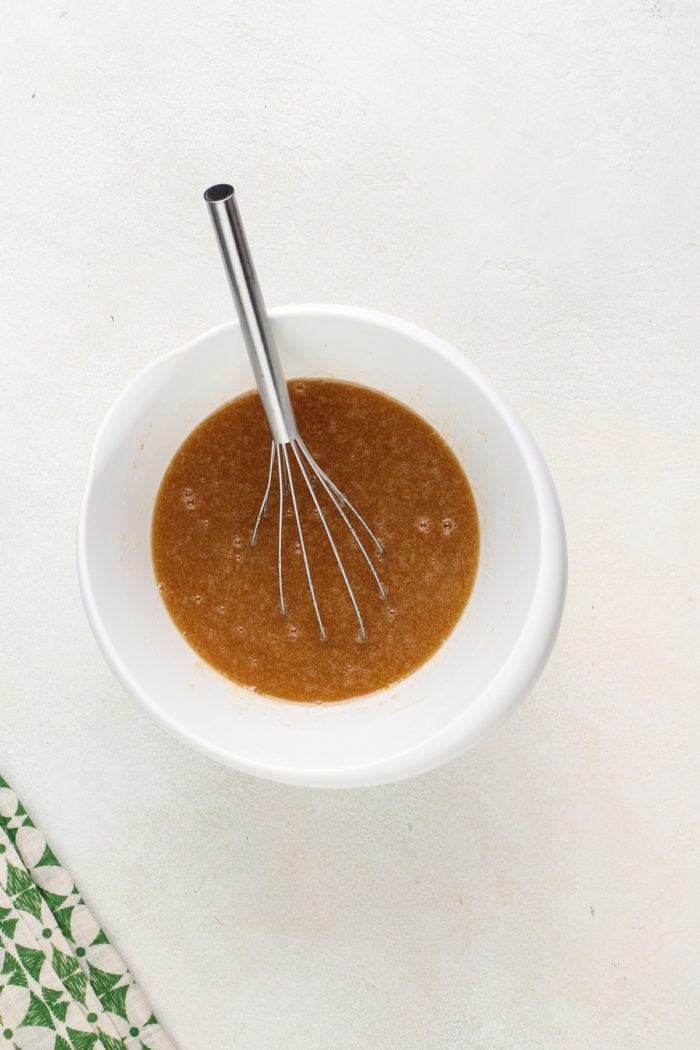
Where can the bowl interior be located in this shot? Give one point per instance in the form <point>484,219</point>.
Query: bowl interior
<point>484,668</point>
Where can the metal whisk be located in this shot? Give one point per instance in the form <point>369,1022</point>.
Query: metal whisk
<point>287,446</point>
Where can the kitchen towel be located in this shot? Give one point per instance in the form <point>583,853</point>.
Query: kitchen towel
<point>62,984</point>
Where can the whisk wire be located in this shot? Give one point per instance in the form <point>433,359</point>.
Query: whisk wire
<point>276,454</point>
<point>341,497</point>
<point>300,532</point>
<point>340,501</point>
<point>266,497</point>
<point>329,535</point>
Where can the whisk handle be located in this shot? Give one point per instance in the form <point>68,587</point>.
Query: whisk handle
<point>252,315</point>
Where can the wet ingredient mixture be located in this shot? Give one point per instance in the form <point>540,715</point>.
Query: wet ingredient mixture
<point>223,594</point>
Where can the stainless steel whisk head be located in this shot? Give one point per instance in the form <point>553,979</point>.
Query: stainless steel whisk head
<point>287,450</point>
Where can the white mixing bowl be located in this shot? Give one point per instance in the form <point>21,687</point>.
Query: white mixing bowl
<point>487,665</point>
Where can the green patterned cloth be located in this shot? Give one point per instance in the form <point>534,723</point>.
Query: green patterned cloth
<point>62,984</point>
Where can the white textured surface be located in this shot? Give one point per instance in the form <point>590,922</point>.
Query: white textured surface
<point>523,179</point>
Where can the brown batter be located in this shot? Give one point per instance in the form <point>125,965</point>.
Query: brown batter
<point>223,594</point>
